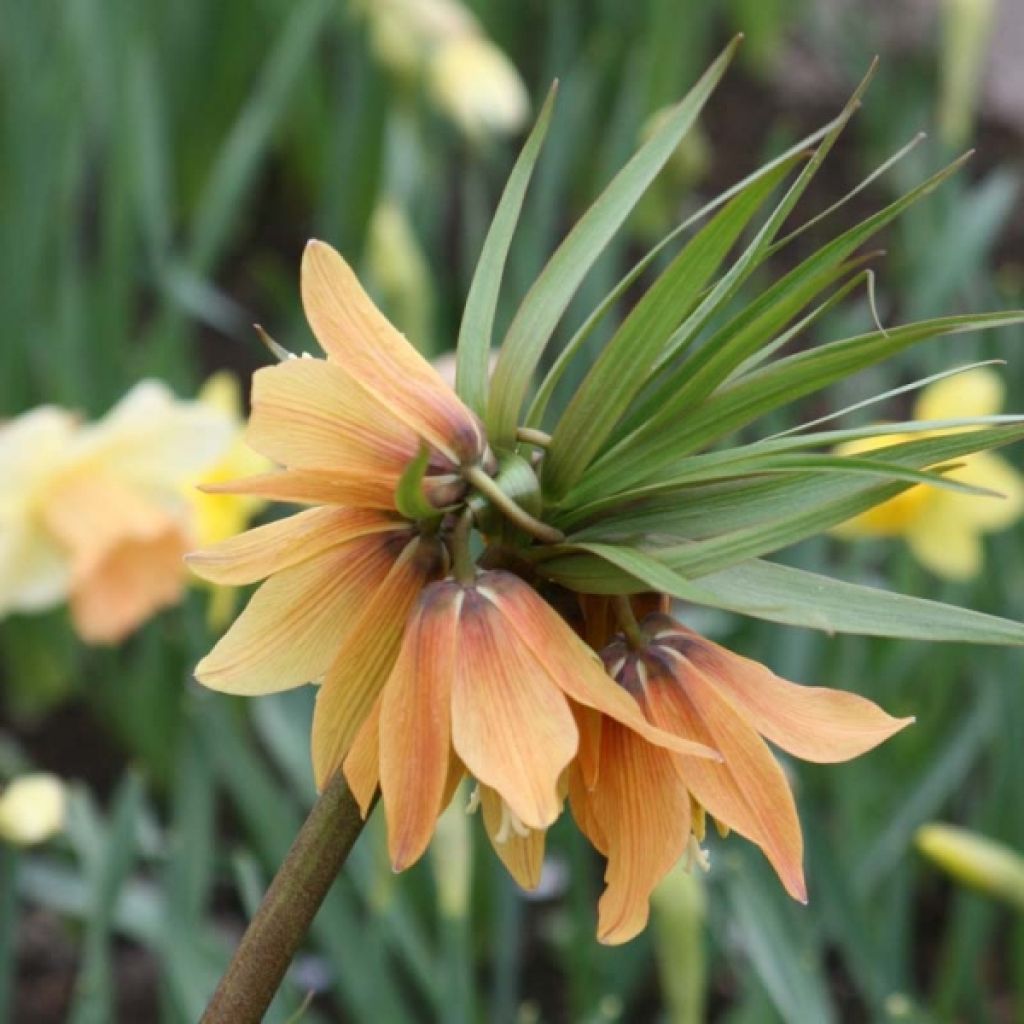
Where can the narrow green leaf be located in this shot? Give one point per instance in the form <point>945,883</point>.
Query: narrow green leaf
<point>539,405</point>
<point>623,367</point>
<point>749,330</point>
<point>708,487</point>
<point>647,453</point>
<point>472,354</point>
<point>831,507</point>
<point>245,146</point>
<point>94,988</point>
<point>780,593</point>
<point>548,298</point>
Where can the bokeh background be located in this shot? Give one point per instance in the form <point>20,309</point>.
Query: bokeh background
<point>161,166</point>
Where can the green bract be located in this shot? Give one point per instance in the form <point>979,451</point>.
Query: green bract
<point>642,470</point>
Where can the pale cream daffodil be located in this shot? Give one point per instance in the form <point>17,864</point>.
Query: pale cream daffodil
<point>95,513</point>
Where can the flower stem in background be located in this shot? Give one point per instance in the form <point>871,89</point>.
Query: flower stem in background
<point>9,857</point>
<point>288,908</point>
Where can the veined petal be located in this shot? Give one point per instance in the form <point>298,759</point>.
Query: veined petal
<point>264,550</point>
<point>748,792</point>
<point>812,723</point>
<point>511,725</point>
<point>365,655</point>
<point>362,763</point>
<point>576,669</point>
<point>522,855</point>
<point>415,733</point>
<point>310,487</point>
<point>589,723</point>
<point>643,811</point>
<point>294,624</point>
<point>581,803</point>
<point>360,339</point>
<point>310,414</point>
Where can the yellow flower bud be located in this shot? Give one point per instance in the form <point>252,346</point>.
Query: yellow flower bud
<point>32,809</point>
<point>975,861</point>
<point>478,87</point>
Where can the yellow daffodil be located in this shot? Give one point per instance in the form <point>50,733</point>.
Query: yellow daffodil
<point>944,528</point>
<point>95,513</point>
<point>32,809</point>
<point>219,516</point>
<point>216,517</point>
<point>643,806</point>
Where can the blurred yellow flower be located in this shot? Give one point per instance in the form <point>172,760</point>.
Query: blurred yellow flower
<point>96,513</point>
<point>975,860</point>
<point>468,77</point>
<point>478,87</point>
<point>219,516</point>
<point>943,528</point>
<point>32,809</point>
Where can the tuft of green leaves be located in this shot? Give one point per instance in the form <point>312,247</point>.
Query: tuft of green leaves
<point>634,473</point>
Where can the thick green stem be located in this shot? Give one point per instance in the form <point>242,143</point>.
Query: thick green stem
<point>627,620</point>
<point>279,926</point>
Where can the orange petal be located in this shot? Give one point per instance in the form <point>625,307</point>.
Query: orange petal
<point>748,792</point>
<point>362,763</point>
<point>310,414</point>
<point>813,723</point>
<point>511,725</point>
<point>310,487</point>
<point>581,803</point>
<point>577,669</point>
<point>522,855</point>
<point>365,655</point>
<point>643,812</point>
<point>260,552</point>
<point>294,623</point>
<point>588,757</point>
<point>415,736</point>
<point>126,555</point>
<point>360,339</point>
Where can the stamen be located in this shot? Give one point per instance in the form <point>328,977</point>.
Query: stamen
<point>510,824</point>
<point>473,804</point>
<point>696,855</point>
<point>700,820</point>
<point>617,668</point>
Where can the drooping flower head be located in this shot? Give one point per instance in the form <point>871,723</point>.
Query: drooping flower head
<point>432,585</point>
<point>646,806</point>
<point>490,681</point>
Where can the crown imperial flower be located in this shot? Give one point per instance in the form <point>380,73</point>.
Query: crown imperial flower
<point>639,810</point>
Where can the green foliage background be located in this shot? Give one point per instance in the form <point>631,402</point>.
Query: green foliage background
<point>162,165</point>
